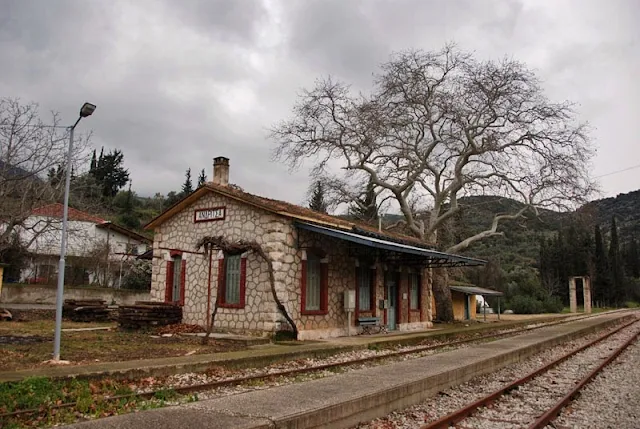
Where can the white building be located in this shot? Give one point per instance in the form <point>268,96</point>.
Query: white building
<point>97,249</point>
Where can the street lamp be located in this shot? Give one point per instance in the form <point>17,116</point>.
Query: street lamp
<point>86,110</point>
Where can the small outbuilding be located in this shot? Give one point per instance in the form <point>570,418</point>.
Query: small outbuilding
<point>463,298</point>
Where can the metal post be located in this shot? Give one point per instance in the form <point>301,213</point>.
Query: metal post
<point>63,251</point>
<point>498,308</point>
<point>484,301</point>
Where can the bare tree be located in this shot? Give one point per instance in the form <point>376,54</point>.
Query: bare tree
<point>438,126</point>
<point>30,150</point>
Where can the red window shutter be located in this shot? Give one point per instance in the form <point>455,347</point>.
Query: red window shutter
<point>372,293</point>
<point>169,283</point>
<point>221,281</point>
<point>243,280</point>
<point>324,286</point>
<point>303,285</point>
<point>183,281</point>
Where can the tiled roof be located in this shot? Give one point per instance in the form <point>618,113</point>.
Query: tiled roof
<point>286,209</point>
<point>56,210</point>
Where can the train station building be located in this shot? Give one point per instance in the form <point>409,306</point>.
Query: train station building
<point>315,258</point>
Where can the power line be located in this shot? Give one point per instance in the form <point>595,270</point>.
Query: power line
<point>618,171</point>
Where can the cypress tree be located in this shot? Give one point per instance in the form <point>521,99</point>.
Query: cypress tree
<point>632,258</point>
<point>202,179</point>
<point>615,262</point>
<point>601,284</point>
<point>187,186</point>
<point>366,208</point>
<point>317,201</point>
<point>94,163</point>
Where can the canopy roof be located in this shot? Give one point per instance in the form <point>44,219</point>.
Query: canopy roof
<point>418,255</point>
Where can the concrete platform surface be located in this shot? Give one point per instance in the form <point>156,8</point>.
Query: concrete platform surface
<point>344,400</point>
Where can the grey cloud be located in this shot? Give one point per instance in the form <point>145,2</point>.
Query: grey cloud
<point>235,21</point>
<point>177,83</point>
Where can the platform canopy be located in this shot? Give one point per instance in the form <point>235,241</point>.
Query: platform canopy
<point>366,243</point>
<point>474,290</point>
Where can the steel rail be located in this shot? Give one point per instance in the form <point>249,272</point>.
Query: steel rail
<point>466,411</point>
<point>551,414</point>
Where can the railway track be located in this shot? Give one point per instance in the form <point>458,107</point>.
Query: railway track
<point>534,400</point>
<point>271,375</point>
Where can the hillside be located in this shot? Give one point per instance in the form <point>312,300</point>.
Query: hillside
<point>521,241</point>
<point>626,209</point>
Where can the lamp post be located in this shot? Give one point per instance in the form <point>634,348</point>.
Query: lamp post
<point>86,110</point>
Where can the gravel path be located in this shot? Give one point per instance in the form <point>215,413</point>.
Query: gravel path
<point>454,398</point>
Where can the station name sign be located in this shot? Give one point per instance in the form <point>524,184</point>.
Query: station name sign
<point>209,215</point>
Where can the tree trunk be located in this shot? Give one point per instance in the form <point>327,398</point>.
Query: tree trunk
<point>442,295</point>
<point>205,339</point>
<point>272,281</point>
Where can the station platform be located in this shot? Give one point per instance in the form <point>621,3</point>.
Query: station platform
<point>343,400</point>
<point>261,355</point>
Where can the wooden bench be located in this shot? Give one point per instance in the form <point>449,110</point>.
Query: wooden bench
<point>369,324</point>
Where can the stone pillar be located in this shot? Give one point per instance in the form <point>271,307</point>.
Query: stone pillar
<point>573,301</point>
<point>586,291</point>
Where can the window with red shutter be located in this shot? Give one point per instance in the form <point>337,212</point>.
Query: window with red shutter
<point>315,285</point>
<point>168,290</point>
<point>232,278</point>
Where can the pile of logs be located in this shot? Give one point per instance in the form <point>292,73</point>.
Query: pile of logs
<point>147,314</point>
<point>85,310</point>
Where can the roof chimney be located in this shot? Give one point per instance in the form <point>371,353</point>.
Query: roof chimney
<point>221,171</point>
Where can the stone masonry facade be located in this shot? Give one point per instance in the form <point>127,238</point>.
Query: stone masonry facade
<point>287,247</point>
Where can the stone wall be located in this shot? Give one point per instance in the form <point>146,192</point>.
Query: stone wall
<point>274,233</point>
<point>46,294</point>
<point>279,238</point>
<point>342,276</point>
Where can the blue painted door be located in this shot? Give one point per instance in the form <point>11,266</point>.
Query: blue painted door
<point>392,294</point>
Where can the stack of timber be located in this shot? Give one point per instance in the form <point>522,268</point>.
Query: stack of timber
<point>147,314</point>
<point>85,310</point>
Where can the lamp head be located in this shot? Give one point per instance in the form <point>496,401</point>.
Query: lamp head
<point>87,109</point>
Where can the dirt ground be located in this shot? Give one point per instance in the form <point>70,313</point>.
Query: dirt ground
<point>28,344</point>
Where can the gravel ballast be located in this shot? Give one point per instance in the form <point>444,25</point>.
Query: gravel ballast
<point>515,412</point>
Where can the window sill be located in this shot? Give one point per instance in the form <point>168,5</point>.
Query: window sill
<point>314,312</point>
<point>236,306</point>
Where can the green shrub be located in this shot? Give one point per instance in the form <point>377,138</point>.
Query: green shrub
<point>552,304</point>
<point>631,304</point>
<point>525,304</point>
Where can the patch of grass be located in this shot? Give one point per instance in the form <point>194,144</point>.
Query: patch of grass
<point>631,304</point>
<point>90,399</point>
<point>90,346</point>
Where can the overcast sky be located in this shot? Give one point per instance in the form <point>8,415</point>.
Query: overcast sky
<point>179,82</point>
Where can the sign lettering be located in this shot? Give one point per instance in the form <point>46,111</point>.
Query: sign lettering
<point>208,215</point>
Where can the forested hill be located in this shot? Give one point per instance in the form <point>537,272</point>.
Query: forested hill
<point>626,209</point>
<point>520,243</point>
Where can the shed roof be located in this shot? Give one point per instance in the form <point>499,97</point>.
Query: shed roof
<point>474,290</point>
